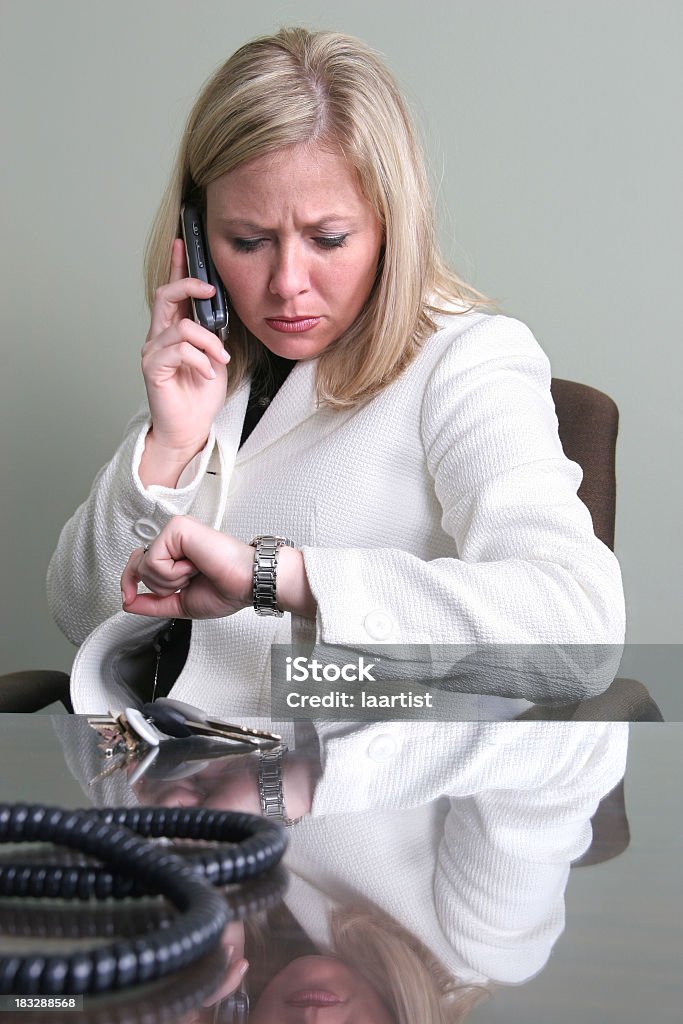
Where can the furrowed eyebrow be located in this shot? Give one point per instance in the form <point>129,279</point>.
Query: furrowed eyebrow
<point>329,223</point>
<point>242,225</point>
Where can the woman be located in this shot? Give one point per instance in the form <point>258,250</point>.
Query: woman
<point>411,453</point>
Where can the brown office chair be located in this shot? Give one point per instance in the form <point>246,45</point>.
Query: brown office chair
<point>33,690</point>
<point>588,422</point>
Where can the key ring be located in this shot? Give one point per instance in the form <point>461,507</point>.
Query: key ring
<point>137,735</point>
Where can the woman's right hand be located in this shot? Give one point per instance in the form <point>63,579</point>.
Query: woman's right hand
<point>185,371</point>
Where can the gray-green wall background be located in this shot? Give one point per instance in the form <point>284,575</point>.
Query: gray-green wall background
<point>553,133</point>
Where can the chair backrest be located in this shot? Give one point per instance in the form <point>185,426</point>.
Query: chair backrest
<point>588,422</point>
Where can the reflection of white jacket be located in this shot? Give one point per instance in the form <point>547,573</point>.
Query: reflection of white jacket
<point>462,833</point>
<point>442,511</point>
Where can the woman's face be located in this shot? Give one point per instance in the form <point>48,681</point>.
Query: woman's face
<point>296,245</point>
<point>319,990</point>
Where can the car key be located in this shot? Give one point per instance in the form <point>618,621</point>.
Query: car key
<point>197,715</point>
<point>176,724</point>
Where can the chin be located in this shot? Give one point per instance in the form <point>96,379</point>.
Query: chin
<point>291,348</point>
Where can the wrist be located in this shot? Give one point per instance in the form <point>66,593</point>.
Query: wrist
<point>177,452</point>
<point>247,577</point>
<point>299,779</point>
<point>162,462</point>
<point>293,591</point>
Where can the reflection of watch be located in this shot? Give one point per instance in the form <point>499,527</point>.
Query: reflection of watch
<point>264,591</point>
<point>270,785</point>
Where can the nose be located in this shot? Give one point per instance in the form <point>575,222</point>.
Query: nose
<point>289,274</point>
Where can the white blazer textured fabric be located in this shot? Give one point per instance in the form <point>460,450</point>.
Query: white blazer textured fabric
<point>443,511</point>
<point>464,835</point>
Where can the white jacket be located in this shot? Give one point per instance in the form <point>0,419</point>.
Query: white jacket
<point>441,511</point>
<point>463,833</point>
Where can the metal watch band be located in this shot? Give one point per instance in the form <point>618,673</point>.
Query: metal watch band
<point>270,785</point>
<point>264,593</point>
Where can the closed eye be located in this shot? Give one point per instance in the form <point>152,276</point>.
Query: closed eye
<point>331,241</point>
<point>247,244</point>
<point>322,241</point>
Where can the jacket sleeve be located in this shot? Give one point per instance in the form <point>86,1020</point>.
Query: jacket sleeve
<point>525,566</point>
<point>519,799</point>
<point>504,859</point>
<point>120,514</point>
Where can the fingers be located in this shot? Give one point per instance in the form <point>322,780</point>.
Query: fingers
<point>170,607</point>
<point>178,261</point>
<point>161,361</point>
<point>171,301</point>
<point>130,576</point>
<point>231,982</point>
<point>192,571</point>
<point>163,575</point>
<point>183,344</point>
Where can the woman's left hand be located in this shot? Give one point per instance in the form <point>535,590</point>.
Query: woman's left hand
<point>193,571</point>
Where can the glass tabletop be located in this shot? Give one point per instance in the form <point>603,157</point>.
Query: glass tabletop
<point>522,871</point>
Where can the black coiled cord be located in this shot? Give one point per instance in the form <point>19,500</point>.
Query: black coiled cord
<point>261,845</point>
<point>134,865</point>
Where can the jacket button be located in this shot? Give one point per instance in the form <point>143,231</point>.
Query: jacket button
<point>378,625</point>
<point>382,747</point>
<point>146,529</point>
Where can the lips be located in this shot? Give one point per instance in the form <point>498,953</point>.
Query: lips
<point>292,324</point>
<point>313,997</point>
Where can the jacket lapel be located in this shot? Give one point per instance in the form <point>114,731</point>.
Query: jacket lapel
<point>228,428</point>
<point>294,403</point>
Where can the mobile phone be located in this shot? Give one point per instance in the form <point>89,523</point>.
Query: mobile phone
<point>210,313</point>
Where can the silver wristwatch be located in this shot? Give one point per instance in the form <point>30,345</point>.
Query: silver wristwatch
<point>264,593</point>
<point>270,785</point>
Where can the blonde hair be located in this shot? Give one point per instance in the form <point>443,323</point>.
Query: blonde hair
<point>300,87</point>
<point>410,980</point>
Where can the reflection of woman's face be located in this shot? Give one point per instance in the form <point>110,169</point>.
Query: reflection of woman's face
<point>319,990</point>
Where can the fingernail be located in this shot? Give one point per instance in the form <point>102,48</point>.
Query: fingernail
<point>229,950</point>
<point>212,373</point>
<point>243,968</point>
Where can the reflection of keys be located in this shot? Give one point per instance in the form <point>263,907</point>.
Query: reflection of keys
<point>115,762</point>
<point>106,726</point>
<point>120,740</point>
<point>199,716</point>
<point>182,720</point>
<point>115,732</point>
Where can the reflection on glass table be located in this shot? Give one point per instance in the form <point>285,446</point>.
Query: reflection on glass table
<point>427,869</point>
